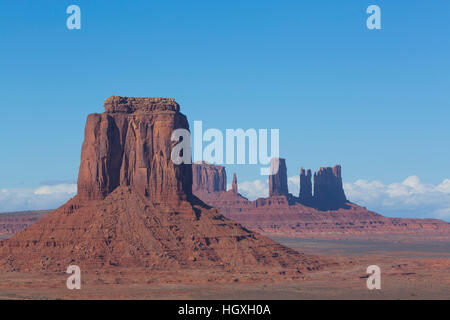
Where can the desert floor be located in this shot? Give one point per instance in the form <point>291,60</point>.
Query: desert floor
<point>409,270</point>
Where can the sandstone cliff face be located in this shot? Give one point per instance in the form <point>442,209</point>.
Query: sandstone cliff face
<point>278,185</point>
<point>130,145</point>
<point>208,178</point>
<point>328,189</point>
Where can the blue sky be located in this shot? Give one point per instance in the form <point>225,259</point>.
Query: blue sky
<point>376,102</point>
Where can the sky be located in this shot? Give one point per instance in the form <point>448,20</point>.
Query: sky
<point>374,101</point>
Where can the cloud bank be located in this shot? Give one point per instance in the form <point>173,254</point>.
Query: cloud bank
<point>41,198</point>
<point>409,198</point>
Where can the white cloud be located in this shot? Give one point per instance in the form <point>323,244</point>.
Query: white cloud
<point>444,186</point>
<point>55,189</point>
<point>254,189</point>
<point>44,197</point>
<point>294,185</point>
<point>260,189</point>
<point>409,198</point>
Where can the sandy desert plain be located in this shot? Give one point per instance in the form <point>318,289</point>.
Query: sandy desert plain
<point>410,269</point>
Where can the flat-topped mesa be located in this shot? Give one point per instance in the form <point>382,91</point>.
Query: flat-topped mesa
<point>118,104</point>
<point>130,145</point>
<point>278,185</point>
<point>234,186</point>
<point>208,178</point>
<point>306,196</point>
<point>328,189</point>
<point>130,212</point>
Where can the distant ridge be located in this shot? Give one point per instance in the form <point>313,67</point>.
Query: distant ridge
<point>326,213</point>
<point>13,222</point>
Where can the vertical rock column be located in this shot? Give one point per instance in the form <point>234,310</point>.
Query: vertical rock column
<point>234,186</point>
<point>306,196</point>
<point>328,189</point>
<point>278,182</point>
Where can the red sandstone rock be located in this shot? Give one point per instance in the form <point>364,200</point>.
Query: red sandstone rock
<point>278,185</point>
<point>287,216</point>
<point>128,230</point>
<point>208,177</point>
<point>328,189</point>
<point>305,196</point>
<point>135,209</point>
<point>130,145</point>
<point>234,186</point>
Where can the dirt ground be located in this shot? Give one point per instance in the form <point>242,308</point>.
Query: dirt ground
<point>409,270</point>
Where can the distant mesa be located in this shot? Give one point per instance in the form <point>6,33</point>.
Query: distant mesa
<point>321,209</point>
<point>13,222</point>
<point>208,178</point>
<point>328,188</point>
